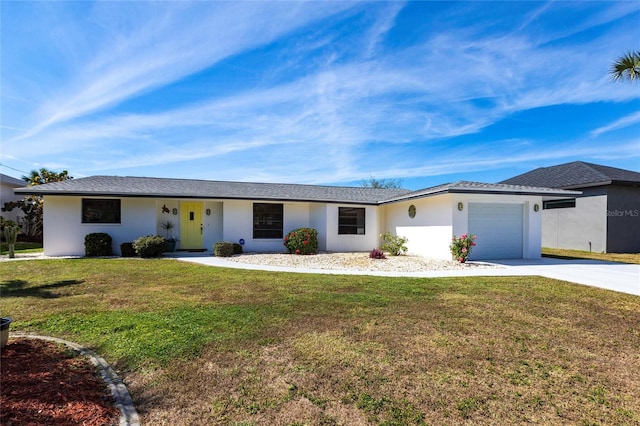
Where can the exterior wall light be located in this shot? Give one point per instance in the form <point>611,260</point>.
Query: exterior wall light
<point>460,206</point>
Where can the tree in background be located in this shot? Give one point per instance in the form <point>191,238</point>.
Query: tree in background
<point>382,183</point>
<point>626,67</point>
<point>32,205</point>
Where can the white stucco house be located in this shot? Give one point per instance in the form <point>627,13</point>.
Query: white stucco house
<point>7,185</point>
<point>505,218</point>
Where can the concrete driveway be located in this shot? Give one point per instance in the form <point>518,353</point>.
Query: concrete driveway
<point>608,275</point>
<point>620,277</point>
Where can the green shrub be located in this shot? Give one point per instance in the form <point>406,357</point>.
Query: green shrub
<point>395,245</point>
<point>237,248</point>
<point>150,246</point>
<point>127,250</point>
<point>223,249</point>
<point>461,247</point>
<point>302,241</point>
<point>98,244</point>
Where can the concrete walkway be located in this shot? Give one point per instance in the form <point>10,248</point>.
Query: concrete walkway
<point>619,277</point>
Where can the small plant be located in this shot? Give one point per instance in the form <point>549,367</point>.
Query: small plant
<point>395,245</point>
<point>11,231</point>
<point>237,248</point>
<point>168,226</point>
<point>377,254</point>
<point>223,249</point>
<point>461,247</point>
<point>150,246</point>
<point>302,241</point>
<point>98,244</point>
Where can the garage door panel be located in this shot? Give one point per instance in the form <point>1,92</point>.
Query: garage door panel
<point>498,228</point>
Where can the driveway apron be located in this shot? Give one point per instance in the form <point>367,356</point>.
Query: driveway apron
<point>620,277</point>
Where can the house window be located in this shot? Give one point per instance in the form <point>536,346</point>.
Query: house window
<point>351,220</point>
<point>267,220</point>
<point>559,204</point>
<point>96,210</point>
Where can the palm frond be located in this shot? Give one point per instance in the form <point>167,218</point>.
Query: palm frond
<point>627,67</point>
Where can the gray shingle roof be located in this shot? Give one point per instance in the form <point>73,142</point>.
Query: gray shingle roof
<point>190,188</point>
<point>118,186</point>
<point>466,187</point>
<point>11,180</point>
<point>577,174</point>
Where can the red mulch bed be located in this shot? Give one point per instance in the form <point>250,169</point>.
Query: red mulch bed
<point>43,383</point>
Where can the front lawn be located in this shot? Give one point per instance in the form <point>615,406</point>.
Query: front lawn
<point>204,345</point>
<point>580,254</point>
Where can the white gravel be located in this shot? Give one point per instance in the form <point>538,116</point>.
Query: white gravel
<point>356,262</point>
<point>359,261</point>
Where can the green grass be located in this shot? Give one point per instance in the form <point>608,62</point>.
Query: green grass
<point>22,247</point>
<point>204,345</point>
<point>580,254</point>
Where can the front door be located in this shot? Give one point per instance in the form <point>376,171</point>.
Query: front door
<point>191,226</point>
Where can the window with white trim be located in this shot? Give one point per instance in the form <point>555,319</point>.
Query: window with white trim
<point>351,220</point>
<point>101,210</point>
<point>267,220</point>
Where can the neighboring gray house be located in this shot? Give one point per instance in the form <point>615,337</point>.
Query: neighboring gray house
<point>7,185</point>
<point>605,218</point>
<point>506,218</point>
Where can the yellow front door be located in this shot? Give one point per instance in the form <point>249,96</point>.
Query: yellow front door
<point>191,226</point>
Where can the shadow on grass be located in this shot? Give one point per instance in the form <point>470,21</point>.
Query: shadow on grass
<point>18,288</point>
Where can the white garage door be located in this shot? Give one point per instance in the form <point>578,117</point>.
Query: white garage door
<point>499,230</point>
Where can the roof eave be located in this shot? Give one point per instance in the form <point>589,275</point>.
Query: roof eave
<point>546,195</point>
<point>413,197</point>
<point>195,196</point>
<point>553,193</point>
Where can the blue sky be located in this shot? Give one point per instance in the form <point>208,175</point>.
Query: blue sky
<point>316,92</point>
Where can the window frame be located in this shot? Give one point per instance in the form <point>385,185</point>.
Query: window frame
<point>567,203</point>
<point>262,229</point>
<point>357,215</point>
<point>109,211</point>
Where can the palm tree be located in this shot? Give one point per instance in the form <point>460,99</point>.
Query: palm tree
<point>627,67</point>
<point>42,176</point>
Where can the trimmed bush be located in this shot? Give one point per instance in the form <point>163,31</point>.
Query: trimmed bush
<point>237,248</point>
<point>127,250</point>
<point>461,247</point>
<point>150,246</point>
<point>377,254</point>
<point>302,241</point>
<point>223,249</point>
<point>395,245</point>
<point>98,244</point>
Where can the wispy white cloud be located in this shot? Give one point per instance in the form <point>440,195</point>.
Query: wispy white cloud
<point>173,40</point>
<point>621,123</point>
<point>384,22</point>
<point>480,160</point>
<point>339,110</point>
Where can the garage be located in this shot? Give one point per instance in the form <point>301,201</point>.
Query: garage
<point>499,229</point>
